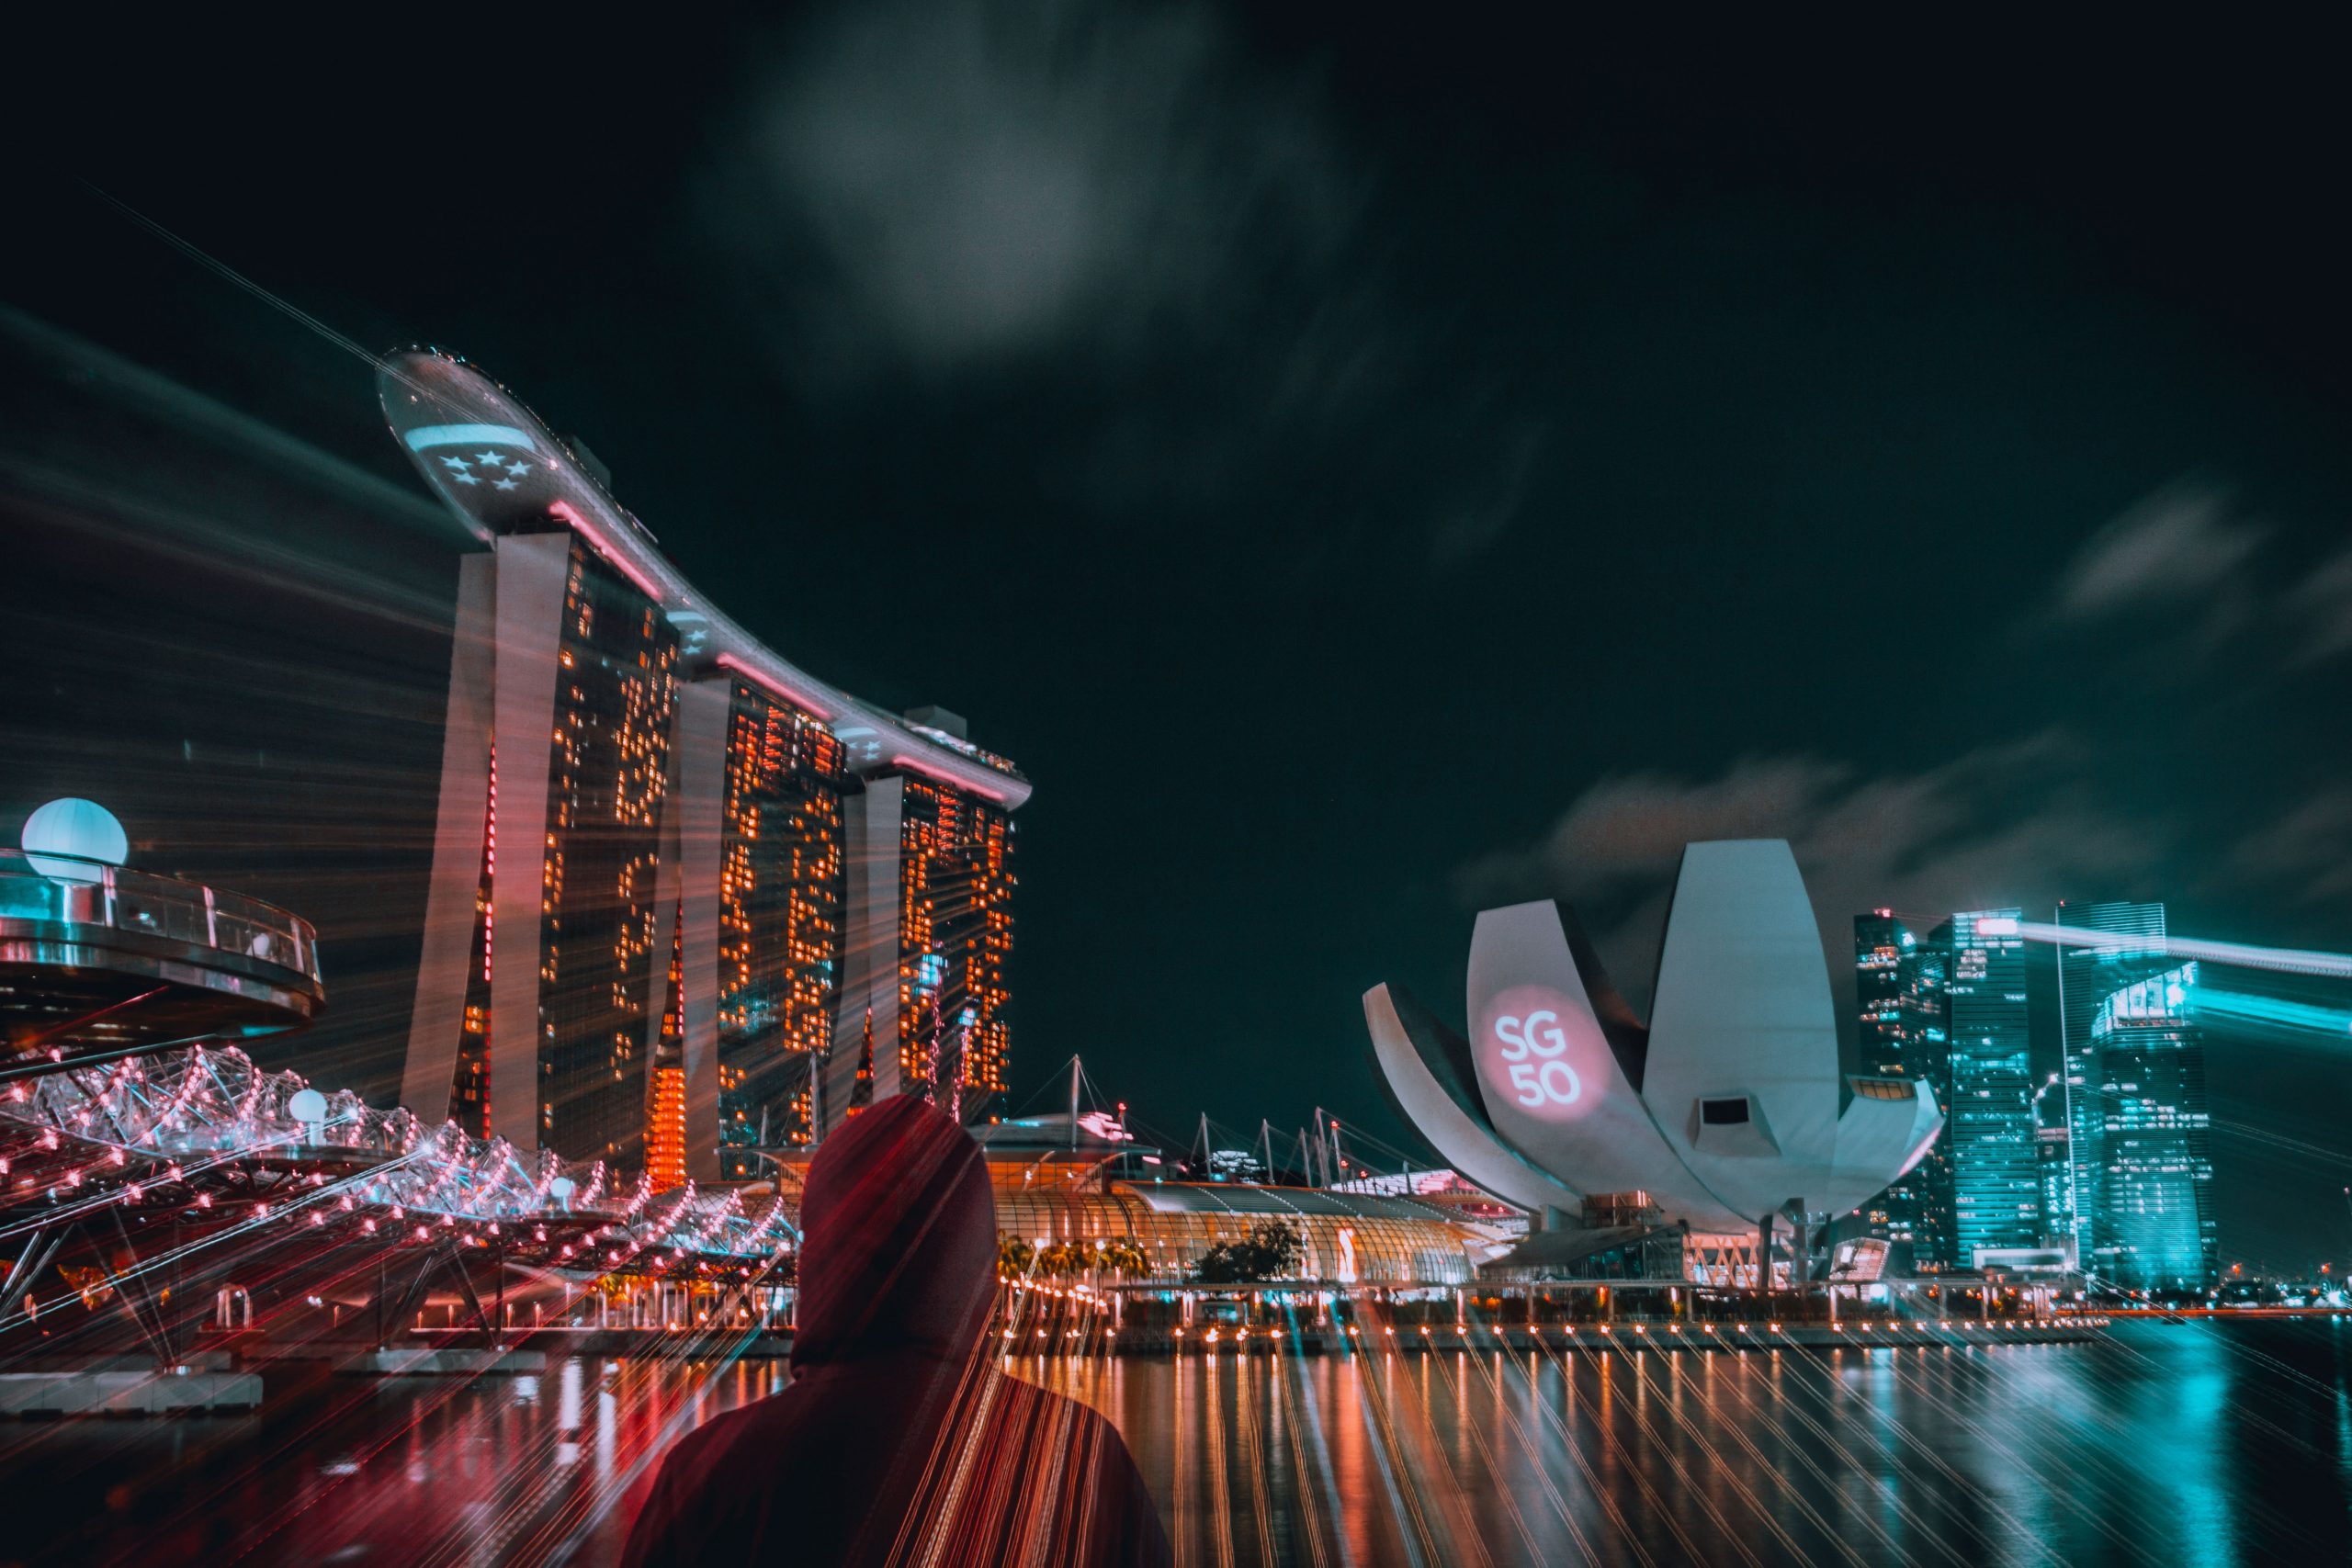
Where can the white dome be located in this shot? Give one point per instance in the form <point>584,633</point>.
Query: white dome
<point>72,827</point>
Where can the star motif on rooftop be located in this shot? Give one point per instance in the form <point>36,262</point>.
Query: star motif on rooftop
<point>503,484</point>
<point>490,458</point>
<point>463,478</point>
<point>456,462</point>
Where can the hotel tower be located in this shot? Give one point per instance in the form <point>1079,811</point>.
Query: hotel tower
<point>687,902</point>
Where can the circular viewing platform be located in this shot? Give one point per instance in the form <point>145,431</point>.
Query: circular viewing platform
<point>99,961</point>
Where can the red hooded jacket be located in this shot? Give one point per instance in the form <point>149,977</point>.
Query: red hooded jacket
<point>897,1440</point>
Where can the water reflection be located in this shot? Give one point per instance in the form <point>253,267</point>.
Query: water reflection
<point>2211,1442</point>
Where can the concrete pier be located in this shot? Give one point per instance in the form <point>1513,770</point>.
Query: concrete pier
<point>170,1391</point>
<point>422,1361</point>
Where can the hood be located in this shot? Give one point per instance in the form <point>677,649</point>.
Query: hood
<point>898,1239</point>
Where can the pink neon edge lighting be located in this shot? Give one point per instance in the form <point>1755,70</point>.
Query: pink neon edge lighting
<point>571,515</point>
<point>933,770</point>
<point>761,678</point>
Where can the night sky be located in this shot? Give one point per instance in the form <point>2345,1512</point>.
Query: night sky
<point>1360,468</point>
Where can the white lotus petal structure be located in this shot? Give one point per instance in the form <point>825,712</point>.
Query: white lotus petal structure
<point>1726,1108</point>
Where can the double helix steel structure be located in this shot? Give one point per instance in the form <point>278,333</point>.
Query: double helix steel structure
<point>146,1160</point>
<point>207,1127</point>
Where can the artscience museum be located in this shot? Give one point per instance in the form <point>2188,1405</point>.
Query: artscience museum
<point>1723,1118</point>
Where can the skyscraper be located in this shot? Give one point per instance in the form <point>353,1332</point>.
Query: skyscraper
<point>1899,1003</point>
<point>1989,1135</point>
<point>2088,975</point>
<point>2154,1223</point>
<point>572,950</point>
<point>671,937</point>
<point>930,932</point>
<point>2051,1145</point>
<point>956,935</point>
<point>780,919</point>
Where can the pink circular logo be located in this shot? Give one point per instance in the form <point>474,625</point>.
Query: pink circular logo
<point>1539,1053</point>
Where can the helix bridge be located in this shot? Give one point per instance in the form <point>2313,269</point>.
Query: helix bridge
<point>204,1132</point>
<point>146,1160</point>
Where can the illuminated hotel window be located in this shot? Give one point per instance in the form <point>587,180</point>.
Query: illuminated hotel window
<point>780,919</point>
<point>955,887</point>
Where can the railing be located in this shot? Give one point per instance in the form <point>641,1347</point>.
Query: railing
<point>70,890</point>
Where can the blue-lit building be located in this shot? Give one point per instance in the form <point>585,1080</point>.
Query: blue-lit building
<point>2154,1223</point>
<point>2052,1146</point>
<point>2088,975</point>
<point>1899,1005</point>
<point>1989,1141</point>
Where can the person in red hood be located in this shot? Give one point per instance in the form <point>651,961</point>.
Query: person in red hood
<point>898,1440</point>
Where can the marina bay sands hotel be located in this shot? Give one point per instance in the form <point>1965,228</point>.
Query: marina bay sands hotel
<point>687,901</point>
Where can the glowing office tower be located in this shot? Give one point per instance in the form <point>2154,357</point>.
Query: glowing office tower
<point>2051,1144</point>
<point>1899,1003</point>
<point>1989,1135</point>
<point>2086,976</point>
<point>2154,1225</point>
<point>659,845</point>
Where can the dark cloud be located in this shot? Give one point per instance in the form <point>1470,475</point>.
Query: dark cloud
<point>2305,852</point>
<point>2320,607</point>
<point>2189,558</point>
<point>2183,554</point>
<point>939,187</point>
<point>2180,542</point>
<point>1486,518</point>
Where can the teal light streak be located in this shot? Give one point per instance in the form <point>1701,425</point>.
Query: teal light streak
<point>2272,1015</point>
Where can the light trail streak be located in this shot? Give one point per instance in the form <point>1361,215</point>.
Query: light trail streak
<point>2242,955</point>
<point>1306,1463</point>
<point>1731,1477</point>
<point>2130,1439</point>
<point>1602,1359</point>
<point>1534,1450</point>
<point>1307,1429</point>
<point>223,270</point>
<point>1412,1524</point>
<point>1463,1530</point>
<point>2063,1494</point>
<point>1221,1496</point>
<point>1254,1448</point>
<point>1604,1423</point>
<point>1565,1428</point>
<point>1889,1493</point>
<point>2249,1013</point>
<point>1887,1424</point>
